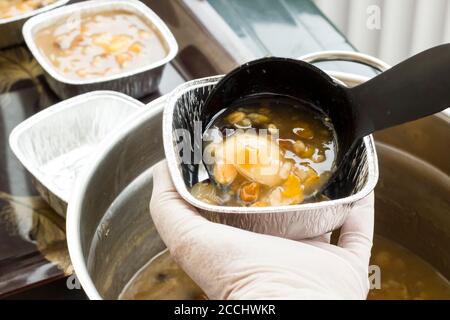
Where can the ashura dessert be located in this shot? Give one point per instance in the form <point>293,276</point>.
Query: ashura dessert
<point>101,44</point>
<point>12,8</point>
<point>405,276</point>
<point>272,152</point>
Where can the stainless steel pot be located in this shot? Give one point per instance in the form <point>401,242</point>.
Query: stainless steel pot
<point>110,233</point>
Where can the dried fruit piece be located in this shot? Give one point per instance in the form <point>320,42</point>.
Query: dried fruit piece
<point>304,172</point>
<point>136,48</point>
<point>304,132</point>
<point>250,192</point>
<point>82,73</point>
<point>123,58</point>
<point>112,43</point>
<point>277,198</point>
<point>235,117</point>
<point>285,170</point>
<point>292,187</point>
<point>246,123</point>
<point>77,41</point>
<point>299,147</point>
<point>101,39</point>
<point>311,183</point>
<point>258,118</point>
<point>224,173</point>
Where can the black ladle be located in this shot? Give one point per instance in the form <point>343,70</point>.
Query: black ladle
<point>414,88</point>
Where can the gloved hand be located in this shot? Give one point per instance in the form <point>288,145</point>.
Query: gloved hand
<point>230,263</point>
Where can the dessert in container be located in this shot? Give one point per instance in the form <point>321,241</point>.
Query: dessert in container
<point>11,27</point>
<point>184,105</point>
<point>136,82</point>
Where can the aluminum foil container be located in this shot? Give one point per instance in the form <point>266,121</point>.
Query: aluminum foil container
<point>11,28</point>
<point>184,106</point>
<point>135,83</point>
<point>55,144</point>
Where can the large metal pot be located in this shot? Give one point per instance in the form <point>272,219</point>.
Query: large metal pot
<point>111,236</point>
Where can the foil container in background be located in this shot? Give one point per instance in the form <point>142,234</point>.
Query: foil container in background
<point>55,144</point>
<point>135,83</point>
<point>184,106</point>
<point>11,28</point>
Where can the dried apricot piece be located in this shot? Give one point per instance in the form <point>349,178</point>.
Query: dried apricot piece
<point>82,73</point>
<point>292,187</point>
<point>311,183</point>
<point>235,117</point>
<point>123,58</point>
<point>136,48</point>
<point>117,43</point>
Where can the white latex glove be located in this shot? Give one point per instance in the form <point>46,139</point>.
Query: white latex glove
<point>230,263</point>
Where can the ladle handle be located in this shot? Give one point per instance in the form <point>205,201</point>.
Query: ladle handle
<point>415,88</point>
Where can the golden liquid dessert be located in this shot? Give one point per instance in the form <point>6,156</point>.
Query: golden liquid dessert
<point>12,8</point>
<point>101,44</point>
<point>404,275</point>
<point>271,152</point>
<point>161,279</point>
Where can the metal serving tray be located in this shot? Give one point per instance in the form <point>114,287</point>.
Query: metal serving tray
<point>11,28</point>
<point>135,83</point>
<point>55,144</point>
